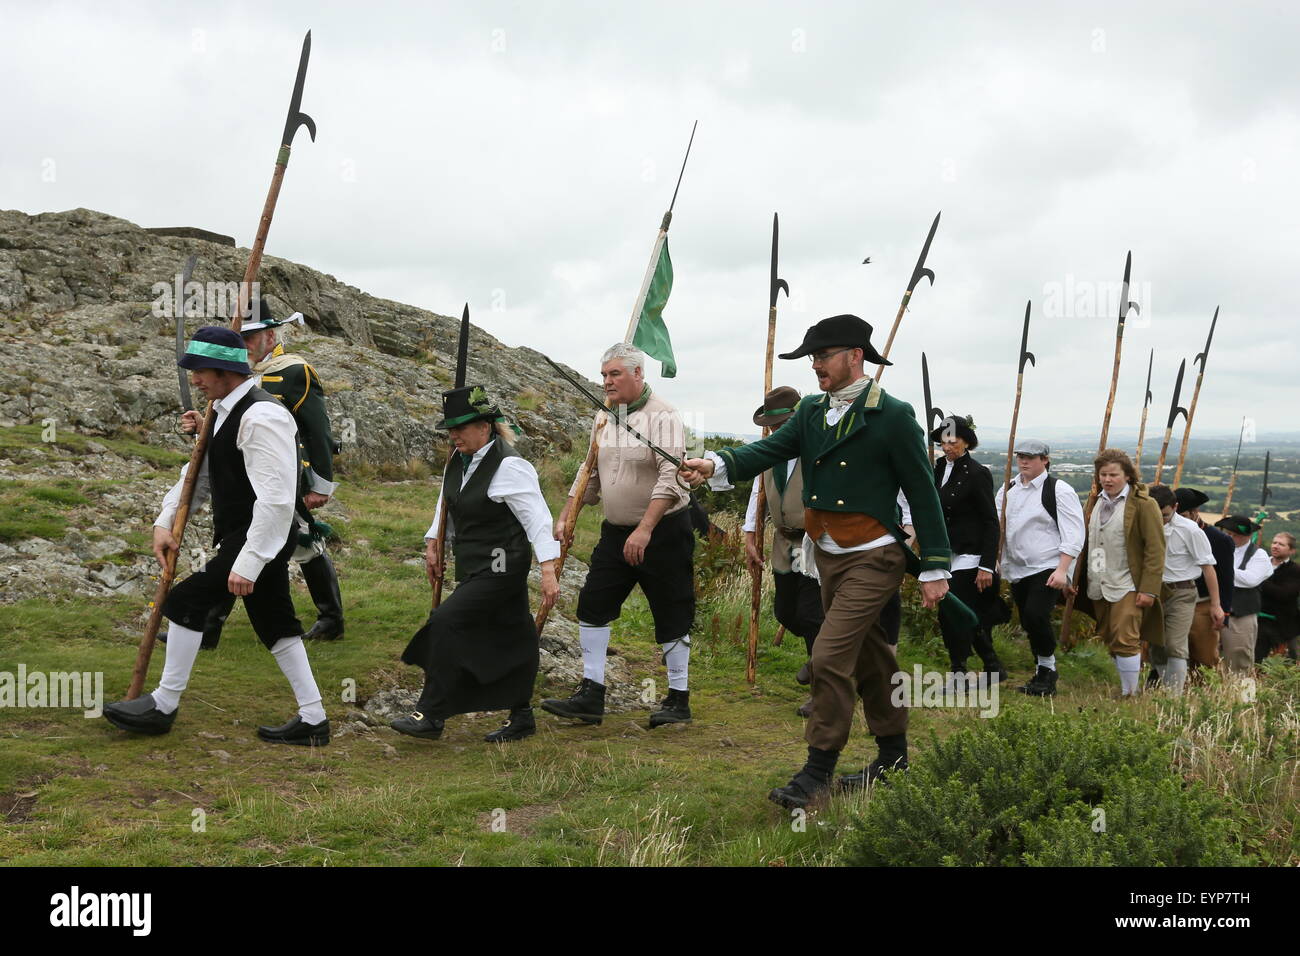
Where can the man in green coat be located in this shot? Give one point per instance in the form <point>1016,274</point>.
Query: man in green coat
<point>857,447</point>
<point>295,383</point>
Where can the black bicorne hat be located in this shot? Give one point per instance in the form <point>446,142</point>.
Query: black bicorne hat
<point>1189,499</point>
<point>962,426</point>
<point>839,331</point>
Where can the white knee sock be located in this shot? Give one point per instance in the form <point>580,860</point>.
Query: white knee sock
<point>1129,668</point>
<point>291,655</point>
<point>182,649</point>
<point>677,658</point>
<point>594,642</point>
<point>1175,674</point>
<point>1048,662</point>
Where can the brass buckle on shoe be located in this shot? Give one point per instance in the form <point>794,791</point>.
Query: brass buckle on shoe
<point>417,715</point>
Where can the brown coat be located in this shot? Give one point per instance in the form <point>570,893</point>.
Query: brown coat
<point>1144,546</point>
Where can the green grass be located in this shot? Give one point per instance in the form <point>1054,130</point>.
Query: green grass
<point>75,791</point>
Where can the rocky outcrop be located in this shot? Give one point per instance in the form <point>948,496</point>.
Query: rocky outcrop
<point>86,307</point>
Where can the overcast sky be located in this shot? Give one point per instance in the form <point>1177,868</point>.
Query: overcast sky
<point>520,156</point>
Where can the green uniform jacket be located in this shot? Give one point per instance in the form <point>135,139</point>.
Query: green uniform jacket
<point>295,383</point>
<point>858,465</point>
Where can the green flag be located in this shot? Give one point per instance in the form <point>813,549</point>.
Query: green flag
<point>651,334</point>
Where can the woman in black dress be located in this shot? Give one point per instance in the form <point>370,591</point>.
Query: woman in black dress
<point>966,494</point>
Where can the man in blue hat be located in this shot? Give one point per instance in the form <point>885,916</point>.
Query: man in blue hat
<point>251,472</point>
<point>858,447</point>
<point>297,385</point>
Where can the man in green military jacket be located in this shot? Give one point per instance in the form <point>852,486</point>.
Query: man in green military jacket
<point>857,446</point>
<point>296,384</point>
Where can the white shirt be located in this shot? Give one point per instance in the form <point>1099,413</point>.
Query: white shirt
<point>267,439</point>
<point>1034,543</point>
<point>718,482</point>
<point>515,483</point>
<point>1258,570</point>
<point>1187,550</point>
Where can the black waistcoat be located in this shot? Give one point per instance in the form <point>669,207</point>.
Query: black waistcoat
<point>489,538</point>
<point>968,510</point>
<point>232,493</point>
<point>1246,600</point>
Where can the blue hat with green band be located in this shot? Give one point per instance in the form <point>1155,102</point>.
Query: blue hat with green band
<point>215,346</point>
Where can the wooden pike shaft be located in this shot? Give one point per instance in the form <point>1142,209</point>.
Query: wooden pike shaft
<point>1142,431</point>
<point>760,517</point>
<point>1164,450</point>
<point>1187,428</point>
<point>898,320</point>
<point>145,652</point>
<point>1006,476</point>
<point>442,533</point>
<point>1227,500</point>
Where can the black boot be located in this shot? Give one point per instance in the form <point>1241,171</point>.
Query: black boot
<point>518,725</point>
<point>891,759</point>
<point>1042,684</point>
<point>674,709</point>
<point>804,676</point>
<point>297,731</point>
<point>587,703</point>
<point>139,716</point>
<point>323,585</point>
<point>983,644</point>
<point>810,785</point>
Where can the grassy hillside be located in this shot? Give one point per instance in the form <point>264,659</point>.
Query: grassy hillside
<point>77,791</point>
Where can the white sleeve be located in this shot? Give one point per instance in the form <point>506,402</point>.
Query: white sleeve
<point>172,500</point>
<point>515,483</point>
<point>1069,515</point>
<point>437,514</point>
<point>266,438</point>
<point>1200,542</point>
<point>718,482</point>
<point>906,509</point>
<point>751,510</point>
<point>1256,572</point>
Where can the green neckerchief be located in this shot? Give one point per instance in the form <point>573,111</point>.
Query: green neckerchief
<point>640,402</point>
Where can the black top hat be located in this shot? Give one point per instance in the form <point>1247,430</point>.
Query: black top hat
<point>461,406</point>
<point>1189,499</point>
<point>962,426</point>
<point>215,346</point>
<point>842,331</point>
<point>1240,524</point>
<point>778,405</point>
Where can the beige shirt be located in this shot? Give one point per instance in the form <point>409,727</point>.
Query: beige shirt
<point>1109,577</point>
<point>628,474</point>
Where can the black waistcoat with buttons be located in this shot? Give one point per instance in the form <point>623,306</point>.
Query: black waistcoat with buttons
<point>232,492</point>
<point>489,538</point>
<point>968,509</point>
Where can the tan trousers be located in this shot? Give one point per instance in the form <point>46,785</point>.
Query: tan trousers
<point>1119,625</point>
<point>1179,606</point>
<point>1203,638</point>
<point>851,657</point>
<point>1239,643</point>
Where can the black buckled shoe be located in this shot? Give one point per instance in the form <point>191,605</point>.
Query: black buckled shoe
<point>518,725</point>
<point>297,731</point>
<point>805,709</point>
<point>802,791</point>
<point>1042,684</point>
<point>418,725</point>
<point>997,673</point>
<point>139,716</point>
<point>674,709</point>
<point>804,676</point>
<point>587,703</point>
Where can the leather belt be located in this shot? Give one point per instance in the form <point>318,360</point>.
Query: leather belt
<point>1181,584</point>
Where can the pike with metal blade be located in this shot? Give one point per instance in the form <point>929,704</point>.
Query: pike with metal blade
<point>1026,356</point>
<point>932,415</point>
<point>918,273</point>
<point>1146,406</point>
<point>1174,411</point>
<point>187,400</point>
<point>1232,481</point>
<point>581,389</point>
<point>462,363</point>
<point>1201,359</point>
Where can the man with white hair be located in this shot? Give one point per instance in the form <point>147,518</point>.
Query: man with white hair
<point>645,539</point>
<point>297,385</point>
